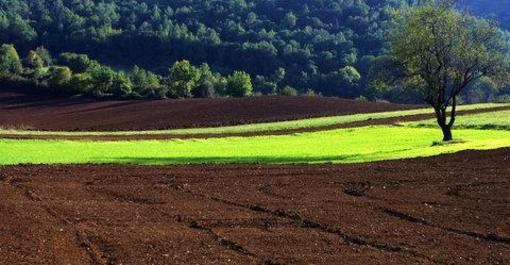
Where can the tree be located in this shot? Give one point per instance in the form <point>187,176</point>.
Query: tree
<point>442,51</point>
<point>346,80</point>
<point>59,77</point>
<point>239,84</point>
<point>121,85</point>
<point>182,79</point>
<point>205,87</point>
<point>78,63</point>
<point>81,83</point>
<point>102,78</point>
<point>264,86</point>
<point>34,61</point>
<point>144,82</point>
<point>44,55</point>
<point>10,62</point>
<point>290,20</point>
<point>289,91</point>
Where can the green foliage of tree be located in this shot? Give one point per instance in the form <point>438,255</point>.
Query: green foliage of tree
<point>479,91</point>
<point>33,60</point>
<point>346,77</point>
<point>101,79</point>
<point>207,83</point>
<point>78,63</point>
<point>10,62</point>
<point>239,84</point>
<point>442,51</point>
<point>264,86</point>
<point>121,85</point>
<point>144,83</point>
<point>290,20</point>
<point>81,83</point>
<point>60,77</point>
<point>182,79</point>
<point>289,91</point>
<point>44,55</point>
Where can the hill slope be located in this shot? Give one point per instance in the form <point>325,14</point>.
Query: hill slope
<point>499,10</point>
<point>303,43</point>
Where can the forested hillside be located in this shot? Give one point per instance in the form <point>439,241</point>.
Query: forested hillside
<point>314,44</point>
<point>331,47</point>
<point>497,10</point>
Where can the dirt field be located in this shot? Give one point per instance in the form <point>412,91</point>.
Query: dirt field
<point>23,111</point>
<point>442,210</point>
<point>385,121</point>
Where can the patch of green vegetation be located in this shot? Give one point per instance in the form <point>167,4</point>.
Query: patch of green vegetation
<point>262,127</point>
<point>499,120</point>
<point>337,146</point>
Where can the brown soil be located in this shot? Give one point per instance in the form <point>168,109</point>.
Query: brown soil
<point>23,111</point>
<point>442,210</point>
<point>386,121</point>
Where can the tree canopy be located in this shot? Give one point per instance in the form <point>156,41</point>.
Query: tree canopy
<point>441,51</point>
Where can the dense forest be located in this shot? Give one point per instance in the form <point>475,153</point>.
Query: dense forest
<point>496,10</point>
<point>327,47</point>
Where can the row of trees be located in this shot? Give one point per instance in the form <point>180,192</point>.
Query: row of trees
<point>72,73</point>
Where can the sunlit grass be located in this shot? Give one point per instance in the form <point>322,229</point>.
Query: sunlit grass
<point>337,146</point>
<point>499,120</point>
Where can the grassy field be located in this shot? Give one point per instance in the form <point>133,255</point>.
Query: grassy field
<point>337,146</point>
<point>259,127</point>
<point>492,120</point>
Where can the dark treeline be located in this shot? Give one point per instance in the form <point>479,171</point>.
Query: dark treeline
<point>328,47</point>
<point>77,74</point>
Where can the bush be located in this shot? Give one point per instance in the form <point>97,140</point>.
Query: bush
<point>9,60</point>
<point>204,90</point>
<point>288,91</point>
<point>78,63</point>
<point>60,77</point>
<point>239,84</point>
<point>310,93</point>
<point>362,99</point>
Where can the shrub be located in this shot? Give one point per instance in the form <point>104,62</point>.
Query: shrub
<point>239,84</point>
<point>288,91</point>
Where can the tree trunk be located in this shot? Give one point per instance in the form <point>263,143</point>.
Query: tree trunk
<point>447,133</point>
<point>445,127</point>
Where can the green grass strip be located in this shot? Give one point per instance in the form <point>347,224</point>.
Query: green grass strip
<point>355,145</point>
<point>499,120</point>
<point>259,127</point>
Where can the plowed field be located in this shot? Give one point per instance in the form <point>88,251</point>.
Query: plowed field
<point>443,210</point>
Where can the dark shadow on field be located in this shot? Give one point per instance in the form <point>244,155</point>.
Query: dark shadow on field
<point>226,160</point>
<point>11,99</point>
<point>53,103</point>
